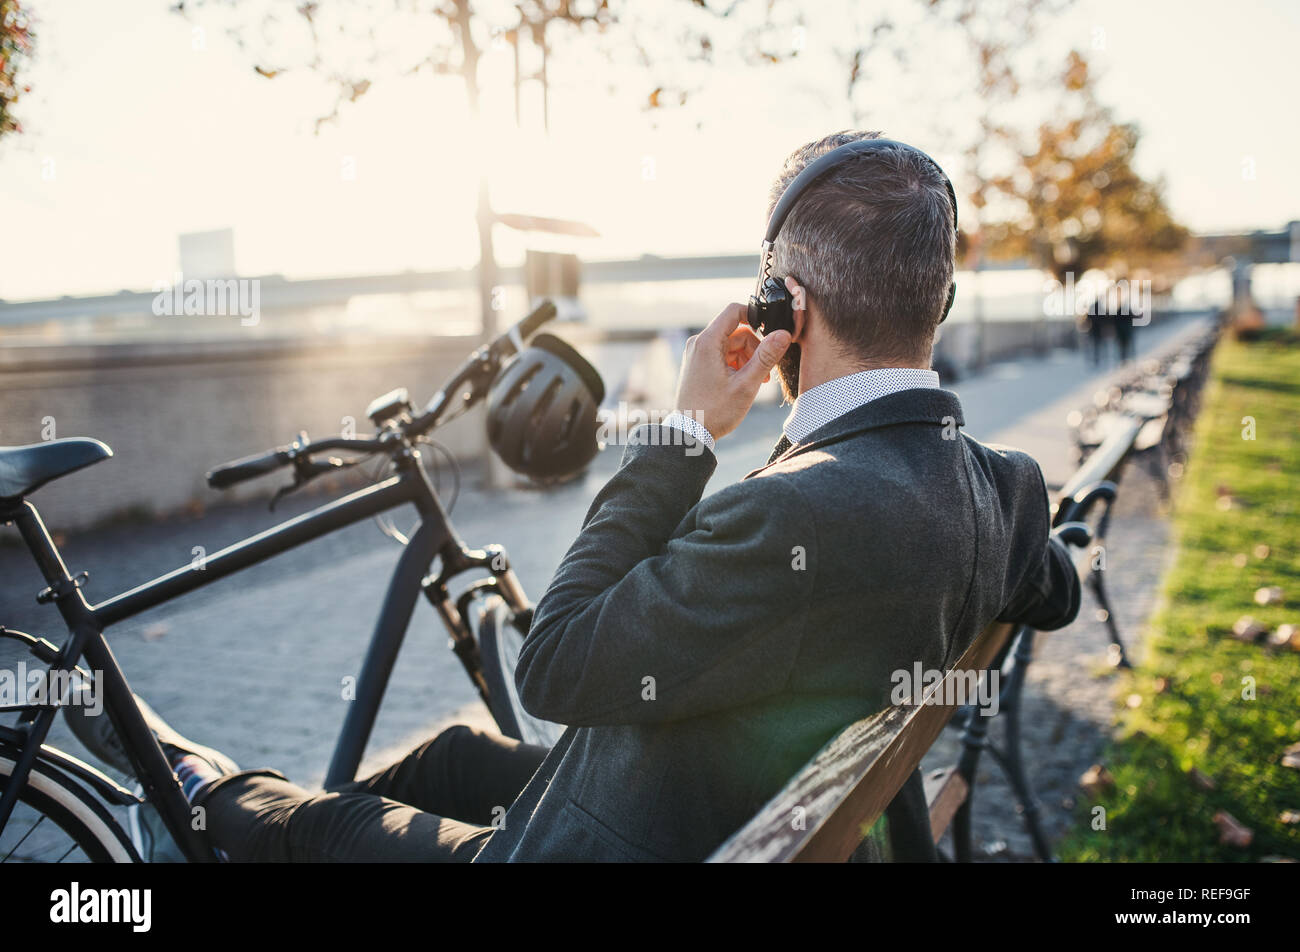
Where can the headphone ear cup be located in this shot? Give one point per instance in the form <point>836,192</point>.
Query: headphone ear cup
<point>952,296</point>
<point>777,308</point>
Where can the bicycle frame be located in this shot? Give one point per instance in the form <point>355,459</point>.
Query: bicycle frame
<point>435,537</point>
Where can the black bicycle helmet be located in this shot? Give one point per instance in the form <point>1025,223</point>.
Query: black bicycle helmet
<point>542,410</point>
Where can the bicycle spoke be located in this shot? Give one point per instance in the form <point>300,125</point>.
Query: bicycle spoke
<point>67,854</point>
<point>24,839</point>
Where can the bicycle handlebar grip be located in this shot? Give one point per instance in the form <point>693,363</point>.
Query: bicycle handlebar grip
<point>250,467</point>
<point>540,315</point>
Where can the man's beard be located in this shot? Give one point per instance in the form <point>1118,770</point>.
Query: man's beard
<point>787,370</point>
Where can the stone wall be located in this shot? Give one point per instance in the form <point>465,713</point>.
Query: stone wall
<point>171,411</point>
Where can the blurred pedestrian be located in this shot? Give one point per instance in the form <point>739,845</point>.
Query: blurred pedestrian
<point>1124,336</point>
<point>1126,308</point>
<point>1096,322</point>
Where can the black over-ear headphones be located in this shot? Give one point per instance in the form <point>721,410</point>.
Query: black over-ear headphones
<point>770,307</point>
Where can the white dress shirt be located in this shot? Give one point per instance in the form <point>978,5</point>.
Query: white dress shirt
<point>818,406</point>
<point>814,408</point>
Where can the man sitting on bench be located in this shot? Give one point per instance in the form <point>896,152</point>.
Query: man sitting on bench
<point>701,651</point>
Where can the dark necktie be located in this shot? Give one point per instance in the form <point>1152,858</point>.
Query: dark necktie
<point>782,445</point>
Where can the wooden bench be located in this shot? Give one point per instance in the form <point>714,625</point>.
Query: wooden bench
<point>1145,417</point>
<point>825,811</point>
<point>1161,391</point>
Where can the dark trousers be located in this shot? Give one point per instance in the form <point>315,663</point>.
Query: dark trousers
<point>438,804</point>
<point>1124,337</point>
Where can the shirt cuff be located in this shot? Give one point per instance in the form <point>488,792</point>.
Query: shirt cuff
<point>690,426</point>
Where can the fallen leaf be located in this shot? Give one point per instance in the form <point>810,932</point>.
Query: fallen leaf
<point>1291,757</point>
<point>1247,629</point>
<point>1269,595</point>
<point>1096,779</point>
<point>1282,636</point>
<point>1231,831</point>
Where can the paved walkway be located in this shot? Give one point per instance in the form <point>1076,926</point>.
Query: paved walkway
<point>254,664</point>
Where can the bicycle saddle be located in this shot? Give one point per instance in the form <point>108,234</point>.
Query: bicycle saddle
<point>27,468</point>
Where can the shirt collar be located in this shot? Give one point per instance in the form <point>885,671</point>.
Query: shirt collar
<point>814,408</point>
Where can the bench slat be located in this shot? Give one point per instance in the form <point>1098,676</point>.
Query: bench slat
<point>823,813</point>
<point>1106,458</point>
<point>945,791</point>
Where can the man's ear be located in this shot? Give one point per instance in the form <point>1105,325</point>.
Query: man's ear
<point>798,306</point>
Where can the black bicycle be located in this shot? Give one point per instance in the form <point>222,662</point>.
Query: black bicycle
<point>55,807</point>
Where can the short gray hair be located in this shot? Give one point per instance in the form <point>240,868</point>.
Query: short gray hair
<point>872,243</point>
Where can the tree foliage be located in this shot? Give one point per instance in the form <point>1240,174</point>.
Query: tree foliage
<point>16,40</point>
<point>353,44</point>
<point>1081,202</point>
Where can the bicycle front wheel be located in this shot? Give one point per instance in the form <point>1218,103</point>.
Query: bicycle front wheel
<point>57,820</point>
<point>499,644</point>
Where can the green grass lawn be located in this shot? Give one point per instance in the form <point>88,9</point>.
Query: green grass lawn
<point>1194,685</point>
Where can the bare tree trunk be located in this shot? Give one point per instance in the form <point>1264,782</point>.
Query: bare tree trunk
<point>487,264</point>
<point>497,475</point>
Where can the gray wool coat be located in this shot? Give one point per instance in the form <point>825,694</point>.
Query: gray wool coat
<point>702,651</point>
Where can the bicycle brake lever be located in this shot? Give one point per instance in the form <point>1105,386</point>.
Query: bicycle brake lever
<point>305,470</point>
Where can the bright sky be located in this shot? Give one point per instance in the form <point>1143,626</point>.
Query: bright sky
<point>135,136</point>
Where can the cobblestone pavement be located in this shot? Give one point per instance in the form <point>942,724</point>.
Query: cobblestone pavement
<point>254,664</point>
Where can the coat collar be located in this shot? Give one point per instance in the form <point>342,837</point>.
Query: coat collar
<point>932,406</point>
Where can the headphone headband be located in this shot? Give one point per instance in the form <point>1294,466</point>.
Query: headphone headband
<point>823,164</point>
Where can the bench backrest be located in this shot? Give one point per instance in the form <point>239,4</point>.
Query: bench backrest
<point>1106,459</point>
<point>845,788</point>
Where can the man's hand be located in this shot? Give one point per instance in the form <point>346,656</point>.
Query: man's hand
<point>722,369</point>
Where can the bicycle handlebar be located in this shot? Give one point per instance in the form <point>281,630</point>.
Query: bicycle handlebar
<point>530,324</point>
<point>479,369</point>
<point>250,467</point>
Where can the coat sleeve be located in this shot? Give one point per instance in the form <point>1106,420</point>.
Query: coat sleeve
<point>1048,595</point>
<point>666,607</point>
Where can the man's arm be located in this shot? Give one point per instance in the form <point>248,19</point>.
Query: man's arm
<point>661,609</point>
<point>1048,596</point>
<point>659,612</point>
